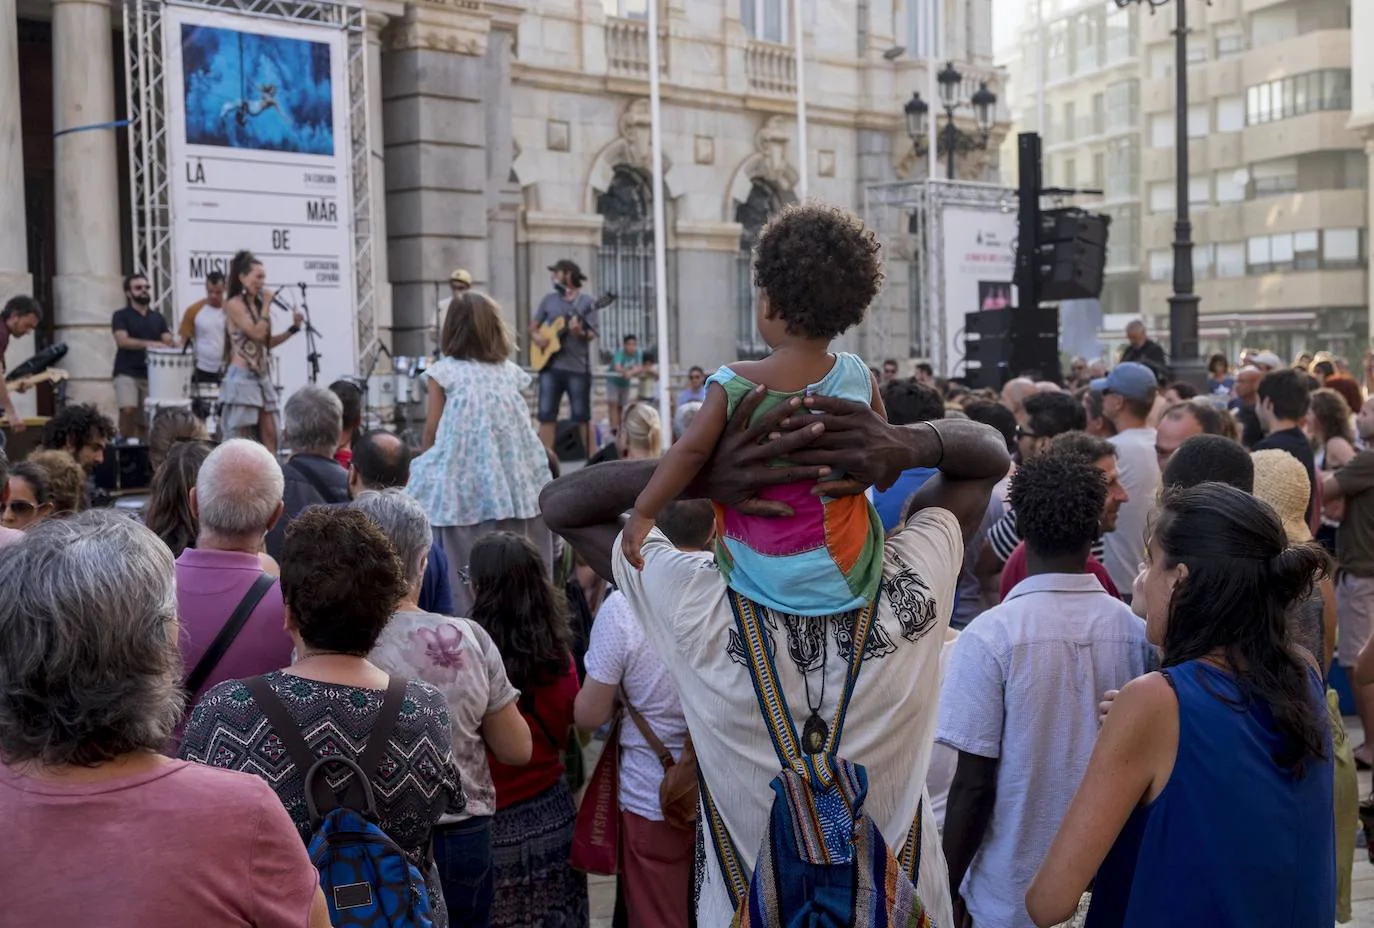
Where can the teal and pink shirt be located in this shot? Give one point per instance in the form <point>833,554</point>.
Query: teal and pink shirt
<point>827,558</point>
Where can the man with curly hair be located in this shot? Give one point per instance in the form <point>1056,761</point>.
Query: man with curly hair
<point>82,432</point>
<point>1019,701</point>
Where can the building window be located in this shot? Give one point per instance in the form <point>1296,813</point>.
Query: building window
<point>1121,34</point>
<point>1123,105</point>
<point>1230,113</point>
<point>1275,177</point>
<point>1315,91</point>
<point>1230,40</point>
<point>1257,255</point>
<point>1198,122</point>
<point>630,9</point>
<point>1341,248</point>
<point>1197,50</point>
<point>1230,187</point>
<point>1161,61</point>
<point>1161,264</point>
<point>1057,36</point>
<point>765,19</point>
<point>1230,259</point>
<point>1089,40</point>
<point>1123,169</point>
<point>1202,261</point>
<point>1070,173</point>
<point>1069,126</point>
<point>625,262</point>
<point>1306,252</point>
<point>1286,251</point>
<point>1161,197</point>
<point>1098,123</point>
<point>752,215</point>
<point>1200,190</point>
<point>919,35</point>
<point>1099,170</point>
<point>1122,248</point>
<point>1162,130</point>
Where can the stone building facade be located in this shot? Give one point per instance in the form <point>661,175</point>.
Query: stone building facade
<point>507,135</point>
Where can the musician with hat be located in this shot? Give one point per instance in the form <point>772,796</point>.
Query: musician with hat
<point>570,369</point>
<point>20,316</point>
<point>459,282</point>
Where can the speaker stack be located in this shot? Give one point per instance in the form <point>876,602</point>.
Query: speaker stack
<point>1006,343</point>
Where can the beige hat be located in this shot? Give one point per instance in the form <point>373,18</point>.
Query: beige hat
<point>1281,481</point>
<point>460,276</point>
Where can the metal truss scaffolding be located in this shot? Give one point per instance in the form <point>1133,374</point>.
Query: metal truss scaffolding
<point>908,217</point>
<point>150,189</point>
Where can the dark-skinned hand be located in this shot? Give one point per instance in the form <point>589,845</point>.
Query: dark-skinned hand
<point>739,466</point>
<point>855,441</point>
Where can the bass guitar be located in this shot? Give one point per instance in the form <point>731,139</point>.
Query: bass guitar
<point>540,358</point>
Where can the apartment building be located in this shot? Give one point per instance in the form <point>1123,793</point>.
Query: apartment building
<point>1277,177</point>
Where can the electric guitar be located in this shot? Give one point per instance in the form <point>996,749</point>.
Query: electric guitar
<point>51,375</point>
<point>540,358</point>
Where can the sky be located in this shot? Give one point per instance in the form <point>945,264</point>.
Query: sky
<point>1007,16</point>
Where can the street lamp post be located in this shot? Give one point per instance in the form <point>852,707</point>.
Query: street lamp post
<point>1183,302</point>
<point>952,139</point>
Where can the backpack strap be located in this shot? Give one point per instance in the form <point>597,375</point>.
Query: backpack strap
<point>291,738</point>
<point>227,633</point>
<point>773,704</point>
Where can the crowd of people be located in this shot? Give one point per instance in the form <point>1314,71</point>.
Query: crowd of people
<point>1084,640</point>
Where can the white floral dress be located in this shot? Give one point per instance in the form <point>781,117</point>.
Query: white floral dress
<point>487,463</point>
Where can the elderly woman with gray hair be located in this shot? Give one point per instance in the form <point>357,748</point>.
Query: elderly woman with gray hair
<point>458,658</point>
<point>90,690</point>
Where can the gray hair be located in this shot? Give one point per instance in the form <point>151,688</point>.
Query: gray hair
<point>404,523</point>
<point>313,419</point>
<point>89,663</point>
<point>238,489</point>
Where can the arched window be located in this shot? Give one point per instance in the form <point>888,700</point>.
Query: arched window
<point>625,263</point>
<point>752,215</point>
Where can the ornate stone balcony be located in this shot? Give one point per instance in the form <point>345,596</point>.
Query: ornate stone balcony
<point>627,48</point>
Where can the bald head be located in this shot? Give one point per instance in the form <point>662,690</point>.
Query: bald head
<point>381,461</point>
<point>1014,396</point>
<point>238,492</point>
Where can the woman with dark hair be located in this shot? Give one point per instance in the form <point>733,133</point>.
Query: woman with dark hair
<point>248,393</point>
<point>340,580</point>
<point>531,835</point>
<point>1219,379</point>
<point>1208,797</point>
<point>168,512</point>
<point>1329,427</point>
<point>30,500</point>
<point>483,465</point>
<point>171,425</point>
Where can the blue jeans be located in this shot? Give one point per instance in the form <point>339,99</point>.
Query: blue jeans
<point>554,383</point>
<point>462,852</point>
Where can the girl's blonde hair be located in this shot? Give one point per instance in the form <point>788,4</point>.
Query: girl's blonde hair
<point>643,429</point>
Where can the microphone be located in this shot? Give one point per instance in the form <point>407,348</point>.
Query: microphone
<point>278,302</point>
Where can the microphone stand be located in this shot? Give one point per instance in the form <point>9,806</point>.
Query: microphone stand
<point>312,355</point>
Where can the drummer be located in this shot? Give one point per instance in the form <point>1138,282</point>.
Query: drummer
<point>203,324</point>
<point>136,329</point>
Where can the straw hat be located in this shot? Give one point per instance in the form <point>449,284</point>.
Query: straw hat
<point>1281,481</point>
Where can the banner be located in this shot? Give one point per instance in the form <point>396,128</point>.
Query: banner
<point>258,150</point>
<point>979,263</point>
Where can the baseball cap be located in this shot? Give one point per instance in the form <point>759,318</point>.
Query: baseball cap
<point>460,276</point>
<point>1129,379</point>
<point>569,266</point>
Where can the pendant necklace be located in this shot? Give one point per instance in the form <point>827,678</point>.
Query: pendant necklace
<point>815,733</point>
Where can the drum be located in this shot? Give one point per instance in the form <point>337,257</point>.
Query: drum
<point>381,391</point>
<point>403,369</point>
<point>169,374</point>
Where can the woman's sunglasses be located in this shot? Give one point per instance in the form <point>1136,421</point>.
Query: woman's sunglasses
<point>19,507</point>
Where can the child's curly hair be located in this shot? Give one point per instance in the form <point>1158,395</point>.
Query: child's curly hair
<point>820,267</point>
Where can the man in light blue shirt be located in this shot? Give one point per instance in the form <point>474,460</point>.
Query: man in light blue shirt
<point>1019,701</point>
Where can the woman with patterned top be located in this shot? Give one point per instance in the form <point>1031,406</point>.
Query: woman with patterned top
<point>483,465</point>
<point>531,835</point>
<point>248,393</point>
<point>340,580</point>
<point>459,659</point>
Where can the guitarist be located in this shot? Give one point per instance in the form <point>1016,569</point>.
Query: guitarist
<point>20,316</point>
<point>570,371</point>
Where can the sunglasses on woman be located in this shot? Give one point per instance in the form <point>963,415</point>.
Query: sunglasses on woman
<point>20,507</point>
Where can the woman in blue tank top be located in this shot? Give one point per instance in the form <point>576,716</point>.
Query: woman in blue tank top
<point>1208,797</point>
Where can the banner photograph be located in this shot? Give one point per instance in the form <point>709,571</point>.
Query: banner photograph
<point>979,262</point>
<point>258,160</point>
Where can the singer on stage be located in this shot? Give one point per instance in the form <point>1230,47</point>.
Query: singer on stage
<point>248,394</point>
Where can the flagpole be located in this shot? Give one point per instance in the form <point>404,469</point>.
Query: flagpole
<point>665,380</point>
<point>800,55</point>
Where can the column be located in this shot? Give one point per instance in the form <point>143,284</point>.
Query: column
<point>88,286</point>
<point>381,271</point>
<point>1368,233</point>
<point>436,181</point>
<point>14,252</point>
